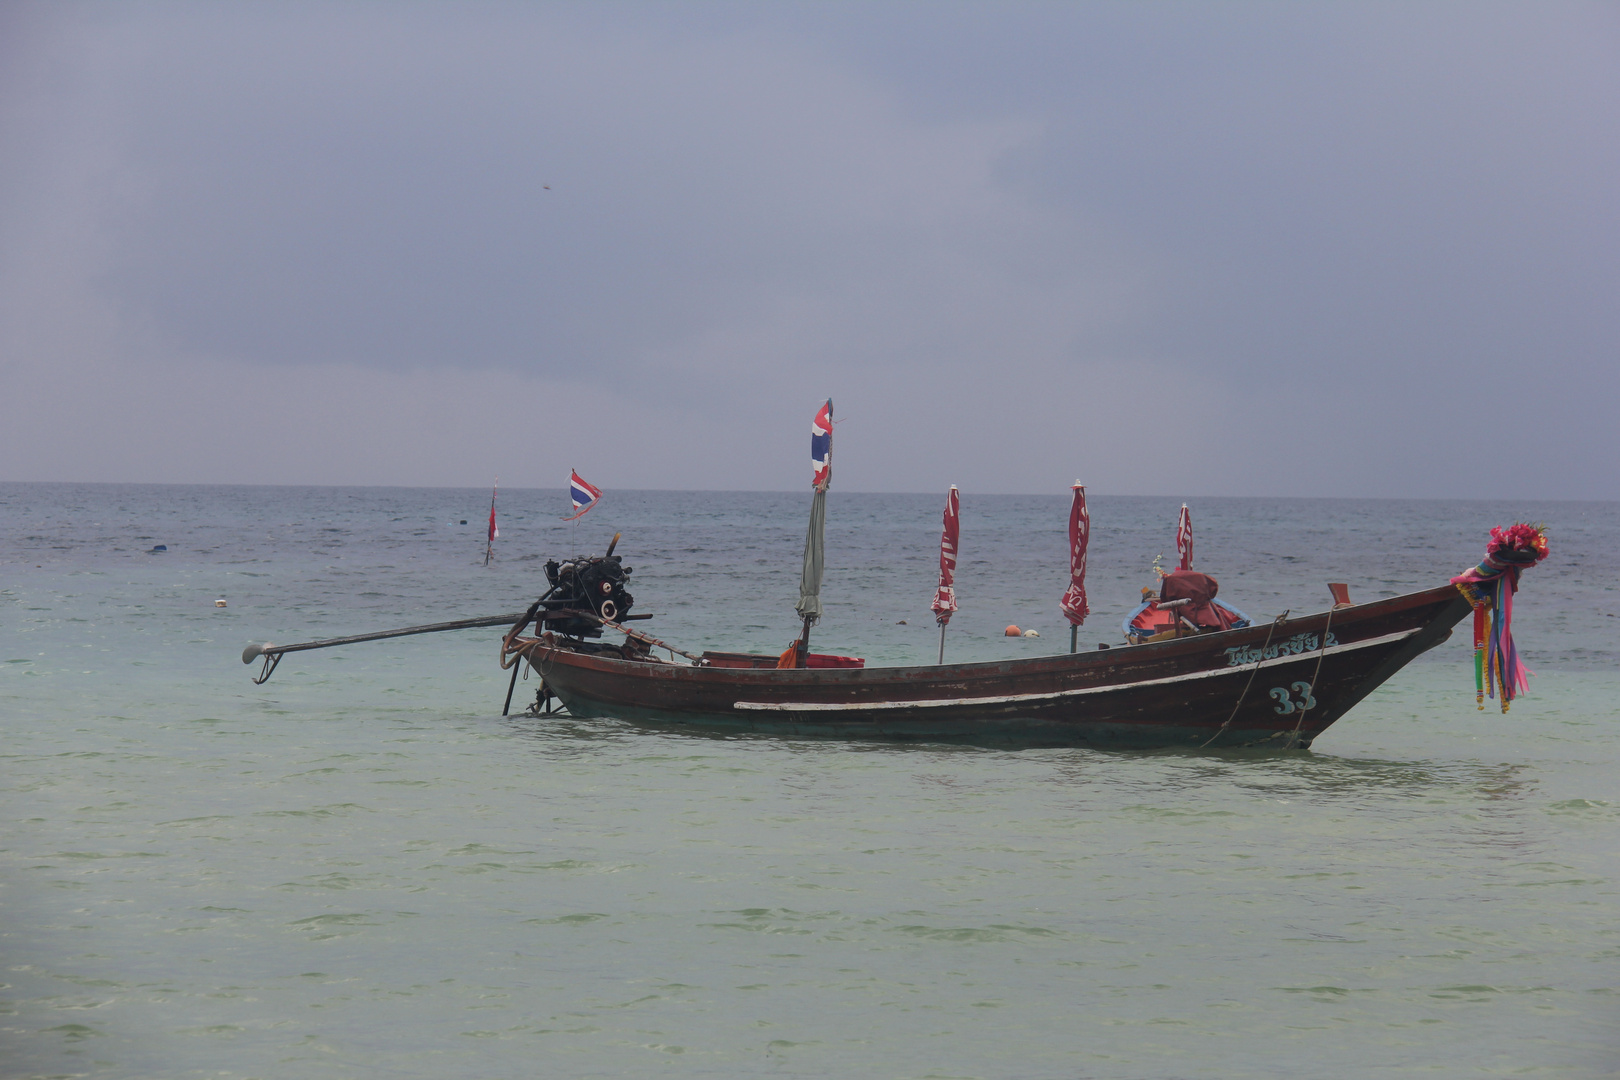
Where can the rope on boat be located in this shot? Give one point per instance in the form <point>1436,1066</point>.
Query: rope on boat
<point>639,636</point>
<point>1278,621</point>
<point>515,650</point>
<point>523,650</point>
<point>1293,738</point>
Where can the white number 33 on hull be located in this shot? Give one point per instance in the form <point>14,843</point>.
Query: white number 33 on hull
<point>1285,702</point>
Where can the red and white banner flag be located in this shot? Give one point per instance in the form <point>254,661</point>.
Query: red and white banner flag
<point>1074,603</point>
<point>1184,538</point>
<point>945,596</point>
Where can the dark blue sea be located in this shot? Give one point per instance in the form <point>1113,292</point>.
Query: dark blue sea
<point>361,869</point>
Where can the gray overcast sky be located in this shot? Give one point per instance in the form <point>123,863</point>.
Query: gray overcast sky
<point>1290,249</point>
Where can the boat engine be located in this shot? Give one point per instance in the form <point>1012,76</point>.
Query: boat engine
<point>586,583</point>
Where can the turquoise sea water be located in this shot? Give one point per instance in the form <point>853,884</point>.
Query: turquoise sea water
<point>362,869</point>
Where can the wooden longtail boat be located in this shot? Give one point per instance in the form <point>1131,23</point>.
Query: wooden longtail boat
<point>1277,684</point>
<point>1227,683</point>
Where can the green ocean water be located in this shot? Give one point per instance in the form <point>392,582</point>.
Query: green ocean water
<point>362,869</point>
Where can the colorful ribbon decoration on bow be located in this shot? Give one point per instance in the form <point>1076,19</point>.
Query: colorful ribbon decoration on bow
<point>1496,659</point>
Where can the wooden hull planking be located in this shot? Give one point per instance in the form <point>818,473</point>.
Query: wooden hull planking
<point>1269,685</point>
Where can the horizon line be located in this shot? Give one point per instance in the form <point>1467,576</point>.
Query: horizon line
<point>1056,493</point>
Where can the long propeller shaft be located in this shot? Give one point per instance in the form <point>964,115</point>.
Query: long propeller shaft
<point>273,653</point>
<point>253,652</point>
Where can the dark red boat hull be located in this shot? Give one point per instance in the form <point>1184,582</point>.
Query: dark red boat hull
<point>1272,685</point>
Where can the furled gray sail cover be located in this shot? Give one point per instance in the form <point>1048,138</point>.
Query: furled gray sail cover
<point>809,606</point>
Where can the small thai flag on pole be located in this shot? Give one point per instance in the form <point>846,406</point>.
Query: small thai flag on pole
<point>584,493</point>
<point>821,446</point>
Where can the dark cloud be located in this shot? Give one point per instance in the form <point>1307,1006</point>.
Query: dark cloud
<point>1248,249</point>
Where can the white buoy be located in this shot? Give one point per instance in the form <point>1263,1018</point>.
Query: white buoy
<point>1032,633</point>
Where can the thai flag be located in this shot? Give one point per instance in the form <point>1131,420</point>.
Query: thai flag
<point>821,446</point>
<point>585,494</point>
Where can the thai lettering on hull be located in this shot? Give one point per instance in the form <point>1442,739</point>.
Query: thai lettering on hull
<point>1297,645</point>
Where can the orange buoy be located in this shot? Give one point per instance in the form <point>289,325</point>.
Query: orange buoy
<point>1013,631</point>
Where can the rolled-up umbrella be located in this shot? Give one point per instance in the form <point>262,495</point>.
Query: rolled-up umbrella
<point>1184,538</point>
<point>1074,604</point>
<point>945,595</point>
<point>815,539</point>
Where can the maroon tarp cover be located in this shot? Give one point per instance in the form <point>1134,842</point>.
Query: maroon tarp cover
<point>1200,589</point>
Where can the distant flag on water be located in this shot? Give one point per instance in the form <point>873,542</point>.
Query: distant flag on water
<point>584,493</point>
<point>821,446</point>
<point>489,548</point>
<point>1184,537</point>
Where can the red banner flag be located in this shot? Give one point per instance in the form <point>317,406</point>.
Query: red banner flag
<point>489,546</point>
<point>945,596</point>
<point>1184,537</point>
<point>1074,600</point>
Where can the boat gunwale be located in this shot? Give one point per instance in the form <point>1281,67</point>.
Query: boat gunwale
<point>1080,691</point>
